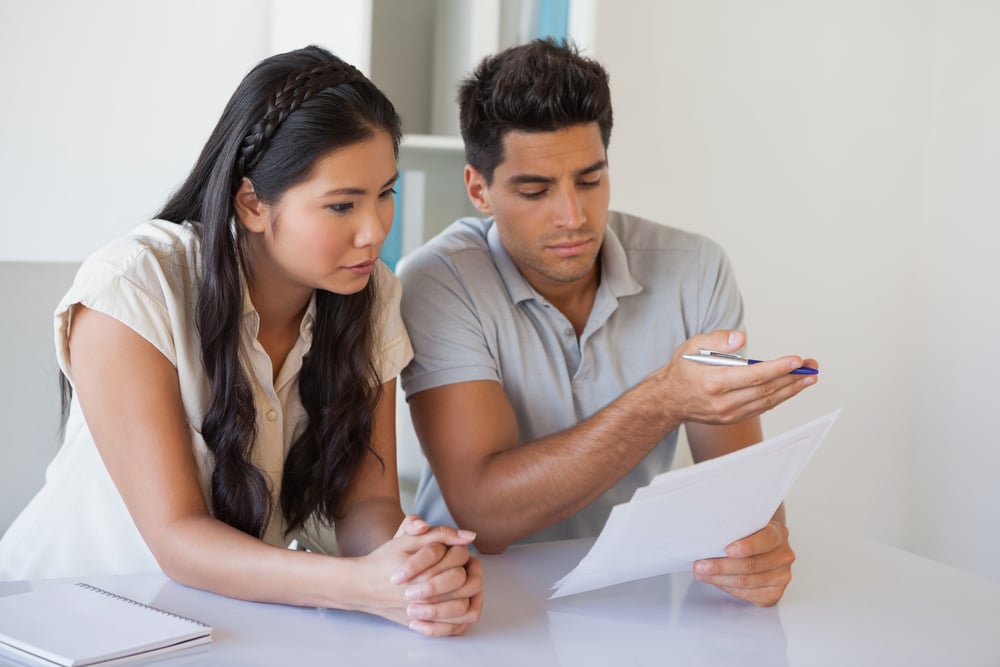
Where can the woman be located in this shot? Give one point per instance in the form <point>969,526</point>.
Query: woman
<point>234,367</point>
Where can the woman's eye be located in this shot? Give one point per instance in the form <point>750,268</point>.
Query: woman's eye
<point>341,208</point>
<point>388,194</point>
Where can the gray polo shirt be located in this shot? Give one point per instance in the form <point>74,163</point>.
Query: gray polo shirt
<point>471,315</point>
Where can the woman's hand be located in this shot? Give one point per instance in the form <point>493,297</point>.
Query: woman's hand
<point>432,583</point>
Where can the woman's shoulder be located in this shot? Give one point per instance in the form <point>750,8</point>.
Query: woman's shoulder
<point>153,268</point>
<point>157,241</point>
<point>155,252</point>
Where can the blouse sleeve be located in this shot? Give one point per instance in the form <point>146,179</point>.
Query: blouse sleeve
<point>143,281</point>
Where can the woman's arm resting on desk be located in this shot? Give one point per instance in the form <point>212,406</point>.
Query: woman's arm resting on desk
<point>442,581</point>
<point>138,422</point>
<point>758,567</point>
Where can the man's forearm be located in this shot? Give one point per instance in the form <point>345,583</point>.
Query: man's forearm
<point>520,491</point>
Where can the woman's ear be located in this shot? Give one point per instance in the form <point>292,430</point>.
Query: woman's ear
<point>250,211</point>
<point>478,190</point>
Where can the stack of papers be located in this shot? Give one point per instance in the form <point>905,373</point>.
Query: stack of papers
<point>695,512</point>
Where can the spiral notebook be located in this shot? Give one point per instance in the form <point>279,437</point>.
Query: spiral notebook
<point>79,624</point>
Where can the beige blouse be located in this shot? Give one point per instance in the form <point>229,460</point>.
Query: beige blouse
<point>78,524</point>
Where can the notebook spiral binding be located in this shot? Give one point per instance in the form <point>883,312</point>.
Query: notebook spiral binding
<point>109,594</point>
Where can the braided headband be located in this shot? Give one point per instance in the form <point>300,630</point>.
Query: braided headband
<point>297,89</point>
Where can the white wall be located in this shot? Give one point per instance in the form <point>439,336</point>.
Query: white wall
<point>953,492</point>
<point>846,155</point>
<point>106,105</point>
<point>108,102</point>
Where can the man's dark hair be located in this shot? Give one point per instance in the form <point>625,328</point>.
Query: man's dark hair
<point>542,86</point>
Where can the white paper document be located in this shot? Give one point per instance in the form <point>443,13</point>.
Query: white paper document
<point>695,512</point>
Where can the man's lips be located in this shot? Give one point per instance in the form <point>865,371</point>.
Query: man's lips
<point>570,247</point>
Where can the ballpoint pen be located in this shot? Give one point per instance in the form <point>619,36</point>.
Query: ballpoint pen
<point>714,358</point>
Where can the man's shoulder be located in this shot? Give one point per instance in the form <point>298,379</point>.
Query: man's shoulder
<point>638,234</point>
<point>465,237</point>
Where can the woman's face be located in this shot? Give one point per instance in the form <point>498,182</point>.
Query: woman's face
<point>327,231</point>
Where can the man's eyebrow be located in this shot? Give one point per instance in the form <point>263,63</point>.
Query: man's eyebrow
<point>597,166</point>
<point>520,179</point>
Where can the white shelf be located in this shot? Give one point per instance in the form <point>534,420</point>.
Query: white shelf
<point>433,142</point>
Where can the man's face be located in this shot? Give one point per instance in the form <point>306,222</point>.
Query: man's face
<point>550,200</point>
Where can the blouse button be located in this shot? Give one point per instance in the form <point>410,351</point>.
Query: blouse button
<point>271,415</point>
<point>569,332</point>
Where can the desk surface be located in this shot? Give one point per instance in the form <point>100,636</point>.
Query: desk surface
<point>853,602</point>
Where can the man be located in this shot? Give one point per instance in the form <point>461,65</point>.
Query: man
<point>539,390</point>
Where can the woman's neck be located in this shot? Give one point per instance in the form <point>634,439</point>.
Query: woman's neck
<point>280,313</point>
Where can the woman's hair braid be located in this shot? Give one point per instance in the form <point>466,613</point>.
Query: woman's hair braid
<point>297,89</point>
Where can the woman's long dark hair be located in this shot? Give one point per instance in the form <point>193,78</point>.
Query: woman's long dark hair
<point>288,112</point>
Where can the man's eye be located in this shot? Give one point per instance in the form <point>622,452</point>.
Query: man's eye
<point>590,184</point>
<point>533,195</point>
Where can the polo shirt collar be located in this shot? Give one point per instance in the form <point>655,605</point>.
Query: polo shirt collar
<point>614,267</point>
<point>517,285</point>
<point>615,274</point>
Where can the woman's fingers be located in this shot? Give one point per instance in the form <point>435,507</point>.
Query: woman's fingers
<point>451,617</point>
<point>438,549</point>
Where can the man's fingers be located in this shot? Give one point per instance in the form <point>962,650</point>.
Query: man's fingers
<point>778,559</point>
<point>760,597</point>
<point>721,340</point>
<point>767,539</point>
<point>748,580</point>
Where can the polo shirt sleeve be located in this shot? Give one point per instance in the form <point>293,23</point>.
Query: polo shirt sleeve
<point>439,310</point>
<point>720,304</point>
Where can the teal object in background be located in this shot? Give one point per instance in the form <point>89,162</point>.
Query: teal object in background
<point>392,247</point>
<point>552,18</point>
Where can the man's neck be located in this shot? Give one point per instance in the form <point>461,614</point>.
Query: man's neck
<point>575,300</point>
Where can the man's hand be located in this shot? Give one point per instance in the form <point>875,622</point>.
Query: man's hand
<point>756,568</point>
<point>690,392</point>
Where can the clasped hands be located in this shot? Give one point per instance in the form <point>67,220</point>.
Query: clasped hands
<point>435,586</point>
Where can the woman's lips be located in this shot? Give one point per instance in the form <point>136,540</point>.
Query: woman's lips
<point>362,268</point>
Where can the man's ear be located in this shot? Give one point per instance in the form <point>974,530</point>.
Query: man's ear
<point>479,195</point>
<point>252,213</point>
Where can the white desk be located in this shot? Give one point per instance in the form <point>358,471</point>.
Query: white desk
<point>853,602</point>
